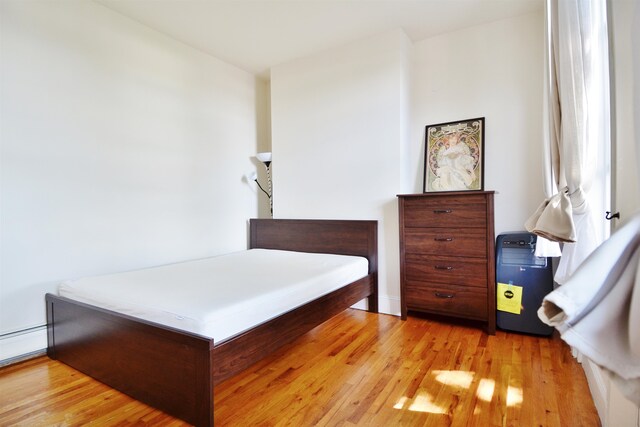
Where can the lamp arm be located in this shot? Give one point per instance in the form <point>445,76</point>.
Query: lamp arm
<point>263,190</point>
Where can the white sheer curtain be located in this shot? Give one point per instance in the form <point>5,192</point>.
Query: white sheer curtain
<point>577,91</point>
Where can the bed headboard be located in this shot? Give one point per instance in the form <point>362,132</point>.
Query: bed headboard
<point>344,237</point>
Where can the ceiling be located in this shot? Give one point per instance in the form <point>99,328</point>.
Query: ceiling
<point>255,35</point>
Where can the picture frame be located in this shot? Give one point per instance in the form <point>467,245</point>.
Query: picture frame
<point>454,156</point>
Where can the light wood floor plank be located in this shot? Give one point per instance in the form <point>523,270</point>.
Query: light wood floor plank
<point>357,369</point>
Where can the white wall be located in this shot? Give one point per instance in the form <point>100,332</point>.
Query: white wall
<point>493,71</point>
<point>345,141</point>
<point>339,129</point>
<point>120,149</point>
<point>627,191</point>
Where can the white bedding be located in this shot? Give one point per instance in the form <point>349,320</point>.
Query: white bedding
<point>222,296</point>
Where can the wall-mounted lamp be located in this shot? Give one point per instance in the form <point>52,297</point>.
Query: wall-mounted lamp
<point>266,159</point>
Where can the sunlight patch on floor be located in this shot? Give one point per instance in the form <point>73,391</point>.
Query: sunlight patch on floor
<point>423,402</point>
<point>460,379</point>
<point>400,404</point>
<point>485,389</point>
<point>514,396</point>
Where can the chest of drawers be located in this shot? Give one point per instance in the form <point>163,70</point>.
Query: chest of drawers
<point>447,255</point>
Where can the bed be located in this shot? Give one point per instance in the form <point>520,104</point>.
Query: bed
<point>176,370</point>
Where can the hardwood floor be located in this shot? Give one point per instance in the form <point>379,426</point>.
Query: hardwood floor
<point>357,369</point>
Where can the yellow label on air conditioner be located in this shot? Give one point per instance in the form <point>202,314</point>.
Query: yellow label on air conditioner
<point>509,298</point>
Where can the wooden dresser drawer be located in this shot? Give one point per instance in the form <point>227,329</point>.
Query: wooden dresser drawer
<point>450,242</point>
<point>460,211</point>
<point>449,270</point>
<point>460,301</point>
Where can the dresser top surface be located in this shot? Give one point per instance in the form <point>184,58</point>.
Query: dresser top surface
<point>445,193</point>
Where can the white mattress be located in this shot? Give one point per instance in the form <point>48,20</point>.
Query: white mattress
<point>222,296</point>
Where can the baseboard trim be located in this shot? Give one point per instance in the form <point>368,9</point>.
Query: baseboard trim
<point>22,358</point>
<point>598,385</point>
<point>22,345</point>
<point>389,305</point>
<point>386,305</point>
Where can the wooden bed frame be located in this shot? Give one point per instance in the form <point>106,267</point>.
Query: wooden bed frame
<point>175,371</point>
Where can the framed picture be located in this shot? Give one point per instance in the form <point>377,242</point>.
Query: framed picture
<point>454,156</point>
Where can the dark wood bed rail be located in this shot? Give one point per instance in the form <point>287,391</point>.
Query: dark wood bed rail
<point>175,371</point>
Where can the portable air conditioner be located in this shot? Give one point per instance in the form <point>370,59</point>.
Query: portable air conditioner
<point>523,280</point>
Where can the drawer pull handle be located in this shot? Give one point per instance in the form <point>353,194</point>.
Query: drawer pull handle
<point>442,211</point>
<point>443,295</point>
<point>443,239</point>
<point>443,267</point>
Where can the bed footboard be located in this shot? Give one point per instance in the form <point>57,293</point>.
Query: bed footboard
<point>163,367</point>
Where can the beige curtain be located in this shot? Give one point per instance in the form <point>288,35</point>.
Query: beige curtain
<point>597,310</point>
<point>571,142</point>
